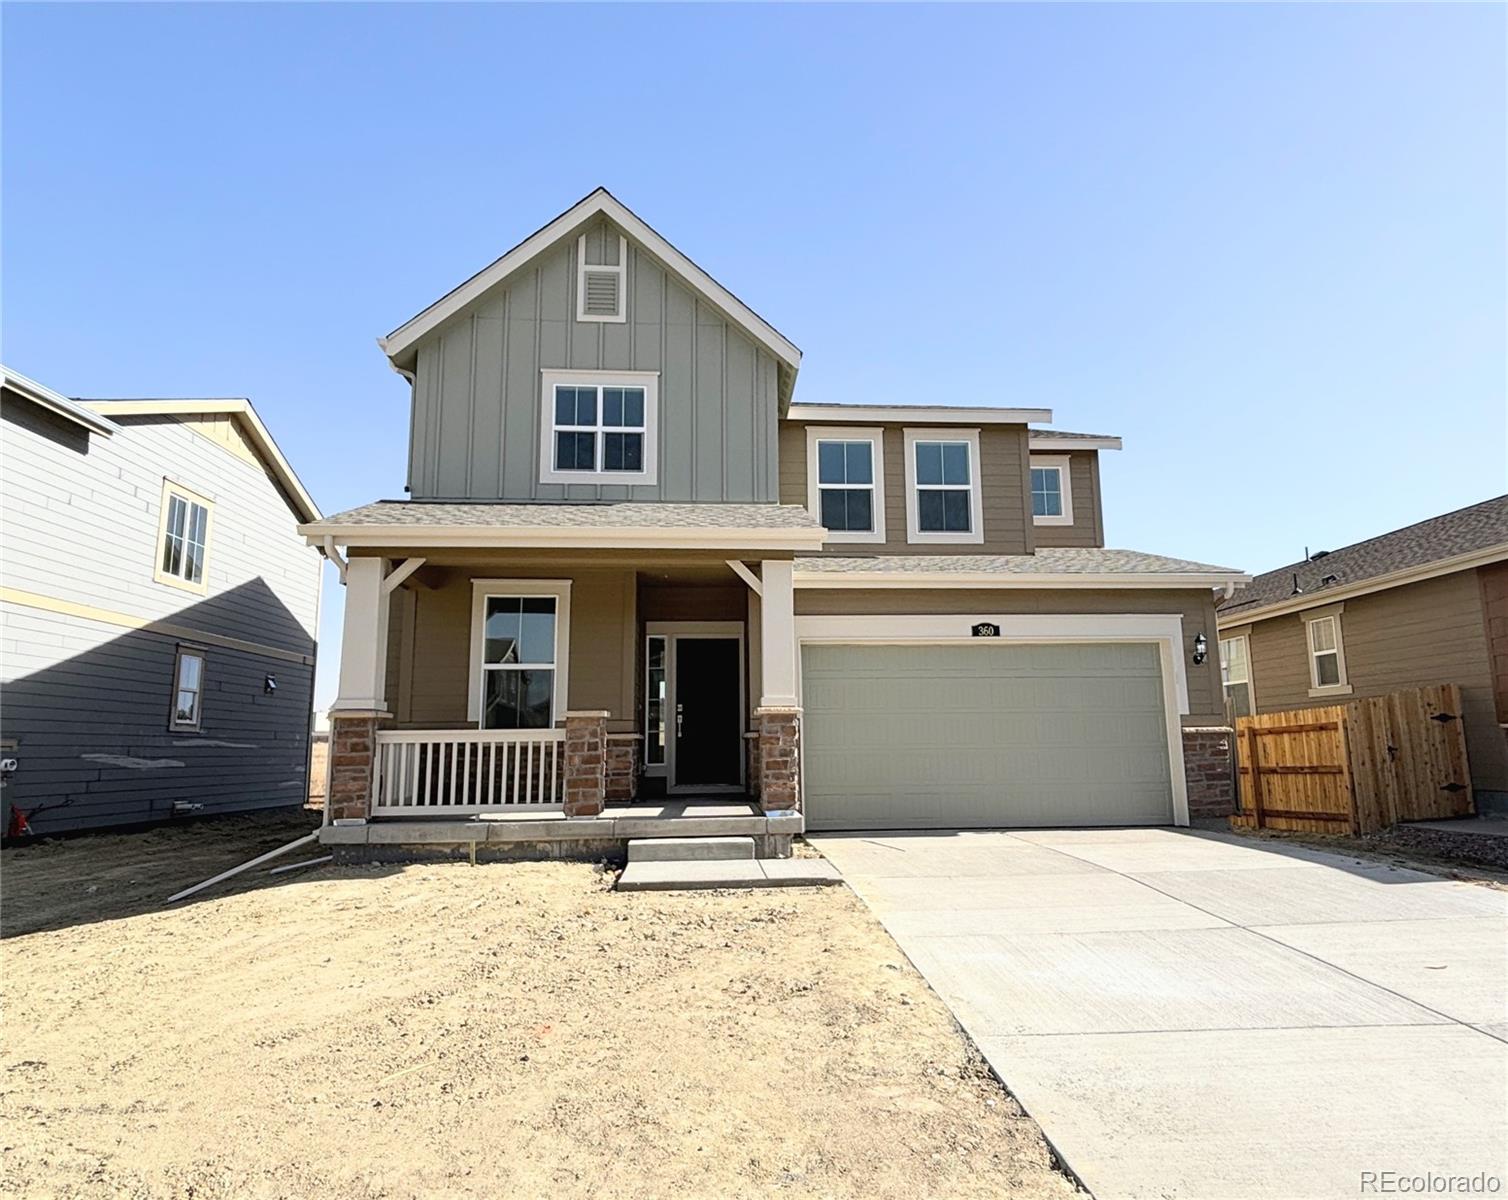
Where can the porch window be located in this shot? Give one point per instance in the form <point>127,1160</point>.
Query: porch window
<point>599,428</point>
<point>1235,675</point>
<point>518,662</point>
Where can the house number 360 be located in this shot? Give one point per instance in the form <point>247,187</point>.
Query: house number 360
<point>985,629</point>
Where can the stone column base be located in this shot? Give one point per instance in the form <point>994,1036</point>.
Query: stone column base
<point>779,758</point>
<point>622,767</point>
<point>585,777</point>
<point>1209,771</point>
<point>353,761</point>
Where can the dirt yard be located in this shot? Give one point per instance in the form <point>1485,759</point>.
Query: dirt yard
<point>500,1030</point>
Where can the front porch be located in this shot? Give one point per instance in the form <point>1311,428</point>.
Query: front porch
<point>532,704</point>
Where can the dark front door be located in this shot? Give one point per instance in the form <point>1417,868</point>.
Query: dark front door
<point>708,740</point>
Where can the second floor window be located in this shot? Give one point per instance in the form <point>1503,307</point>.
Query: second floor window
<point>845,481</point>
<point>184,541</point>
<point>942,487</point>
<point>1052,498</point>
<point>598,429</point>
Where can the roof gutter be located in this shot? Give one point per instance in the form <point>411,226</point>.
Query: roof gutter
<point>559,537</point>
<point>1230,619</point>
<point>832,580</point>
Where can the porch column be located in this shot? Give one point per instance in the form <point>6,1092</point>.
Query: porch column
<point>778,715</point>
<point>361,704</point>
<point>585,763</point>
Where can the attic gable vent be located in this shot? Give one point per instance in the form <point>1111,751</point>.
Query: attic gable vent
<point>599,286</point>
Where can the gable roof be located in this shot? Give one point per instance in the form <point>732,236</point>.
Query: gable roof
<point>1455,541</point>
<point>251,425</point>
<point>68,409</point>
<point>604,203</point>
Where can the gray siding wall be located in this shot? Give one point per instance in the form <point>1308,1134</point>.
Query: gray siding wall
<point>87,696</point>
<point>477,391</point>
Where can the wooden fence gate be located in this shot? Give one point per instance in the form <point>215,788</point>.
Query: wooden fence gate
<point>1357,767</point>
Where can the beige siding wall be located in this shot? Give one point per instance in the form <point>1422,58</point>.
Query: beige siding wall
<point>1423,633</point>
<point>429,646</point>
<point>1196,607</point>
<point>1088,528</point>
<point>1003,491</point>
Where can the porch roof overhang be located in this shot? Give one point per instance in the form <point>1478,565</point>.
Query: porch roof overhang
<point>418,525</point>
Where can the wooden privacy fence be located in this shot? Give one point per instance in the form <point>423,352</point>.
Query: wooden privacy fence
<point>1357,767</point>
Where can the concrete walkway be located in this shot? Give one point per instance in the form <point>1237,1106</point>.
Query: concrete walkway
<point>1196,1015</point>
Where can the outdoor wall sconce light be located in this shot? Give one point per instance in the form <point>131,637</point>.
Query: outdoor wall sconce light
<point>1201,648</point>
<point>270,685</point>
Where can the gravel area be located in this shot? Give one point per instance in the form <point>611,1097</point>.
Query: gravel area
<point>500,1030</point>
<point>1454,856</point>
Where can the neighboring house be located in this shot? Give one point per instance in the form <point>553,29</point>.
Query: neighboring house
<point>1416,607</point>
<point>628,555</point>
<point>159,610</point>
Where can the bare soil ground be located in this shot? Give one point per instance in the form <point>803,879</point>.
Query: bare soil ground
<point>500,1030</point>
<point>1382,847</point>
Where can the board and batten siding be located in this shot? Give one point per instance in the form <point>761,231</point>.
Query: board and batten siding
<point>1003,479</point>
<point>477,399</point>
<point>1412,636</point>
<point>89,637</point>
<point>1196,607</point>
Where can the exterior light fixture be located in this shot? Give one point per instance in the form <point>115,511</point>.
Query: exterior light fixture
<point>1201,648</point>
<point>270,685</point>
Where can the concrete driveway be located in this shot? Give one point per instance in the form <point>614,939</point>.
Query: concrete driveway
<point>1195,1015</point>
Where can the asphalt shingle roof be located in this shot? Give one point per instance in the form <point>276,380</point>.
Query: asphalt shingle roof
<point>1048,560</point>
<point>603,515</point>
<point>1479,527</point>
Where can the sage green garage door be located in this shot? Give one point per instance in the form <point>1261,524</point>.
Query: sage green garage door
<point>983,734</point>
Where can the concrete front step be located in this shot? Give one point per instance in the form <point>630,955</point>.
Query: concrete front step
<point>690,849</point>
<point>754,873</point>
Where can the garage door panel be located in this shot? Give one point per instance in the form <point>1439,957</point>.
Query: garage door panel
<point>984,735</point>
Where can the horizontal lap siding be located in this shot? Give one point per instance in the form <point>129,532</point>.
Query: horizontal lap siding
<point>81,523</point>
<point>477,387</point>
<point>1413,636</point>
<point>1195,607</point>
<point>1084,486</point>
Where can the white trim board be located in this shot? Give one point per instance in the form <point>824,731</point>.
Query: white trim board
<point>1163,630</point>
<point>1061,464</point>
<point>1043,439</point>
<point>985,580</point>
<point>1364,587</point>
<point>920,414</point>
<point>915,535</point>
<point>560,589</point>
<point>875,436</point>
<point>598,202</point>
<point>562,537</point>
<point>648,472</point>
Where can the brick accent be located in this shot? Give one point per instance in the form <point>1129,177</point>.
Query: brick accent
<point>622,768</point>
<point>585,763</point>
<point>779,758</point>
<point>1208,769</point>
<point>751,763</point>
<point>353,756</point>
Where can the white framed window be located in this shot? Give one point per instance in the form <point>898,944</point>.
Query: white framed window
<point>1327,653</point>
<point>656,682</point>
<point>943,501</point>
<point>845,482</point>
<point>600,286</point>
<point>1052,490</point>
<point>187,709</point>
<point>1235,675</point>
<point>520,650</point>
<point>182,538</point>
<point>599,427</point>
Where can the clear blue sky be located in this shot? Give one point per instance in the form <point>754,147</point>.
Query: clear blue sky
<point>1265,244</point>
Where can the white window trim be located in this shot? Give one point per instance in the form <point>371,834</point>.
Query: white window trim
<point>648,380</point>
<point>1250,680</point>
<point>183,651</point>
<point>1060,463</point>
<point>481,590</point>
<point>914,532</point>
<point>875,436</point>
<point>1165,630</point>
<point>169,489</point>
<point>1311,618</point>
<point>620,270</point>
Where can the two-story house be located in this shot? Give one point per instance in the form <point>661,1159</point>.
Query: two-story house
<point>158,611</point>
<point>631,566</point>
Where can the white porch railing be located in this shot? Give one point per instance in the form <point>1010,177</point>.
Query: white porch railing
<point>440,772</point>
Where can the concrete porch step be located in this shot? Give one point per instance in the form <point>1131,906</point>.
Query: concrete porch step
<point>690,849</point>
<point>754,873</point>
